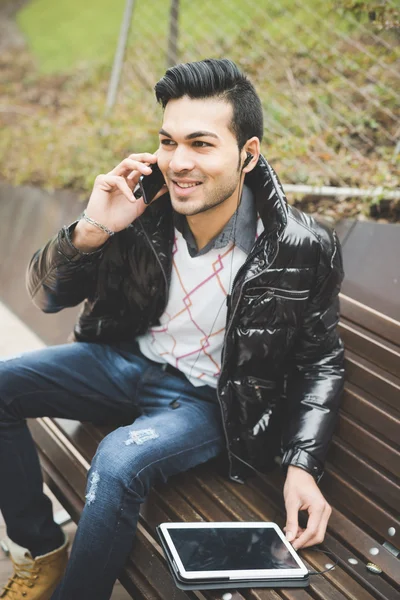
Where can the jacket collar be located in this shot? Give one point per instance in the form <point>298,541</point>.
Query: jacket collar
<point>270,199</point>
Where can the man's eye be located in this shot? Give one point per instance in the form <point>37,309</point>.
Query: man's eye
<point>199,143</point>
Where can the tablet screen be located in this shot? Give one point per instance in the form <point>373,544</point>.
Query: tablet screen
<point>231,549</point>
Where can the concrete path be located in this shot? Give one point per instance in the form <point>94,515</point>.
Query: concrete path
<point>15,336</point>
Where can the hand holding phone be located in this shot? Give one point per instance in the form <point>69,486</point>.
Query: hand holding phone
<point>150,185</point>
<point>112,202</point>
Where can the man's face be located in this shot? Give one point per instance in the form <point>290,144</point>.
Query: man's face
<point>208,158</point>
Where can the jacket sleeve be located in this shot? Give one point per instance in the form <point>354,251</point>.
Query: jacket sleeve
<point>59,275</point>
<point>316,380</point>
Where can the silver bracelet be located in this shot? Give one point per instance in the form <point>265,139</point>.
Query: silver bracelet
<point>99,225</point>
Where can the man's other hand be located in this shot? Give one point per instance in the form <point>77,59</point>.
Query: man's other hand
<point>302,493</point>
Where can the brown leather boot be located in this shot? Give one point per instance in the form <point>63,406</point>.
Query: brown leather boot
<point>35,578</point>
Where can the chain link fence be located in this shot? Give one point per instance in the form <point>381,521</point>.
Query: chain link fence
<point>327,74</point>
<point>328,77</point>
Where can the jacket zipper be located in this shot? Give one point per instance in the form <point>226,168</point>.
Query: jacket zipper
<point>292,294</point>
<point>219,399</point>
<point>249,258</point>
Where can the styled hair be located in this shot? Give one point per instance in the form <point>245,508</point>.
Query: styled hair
<point>216,78</point>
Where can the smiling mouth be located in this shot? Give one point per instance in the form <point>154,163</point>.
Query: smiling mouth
<point>185,189</point>
<point>185,186</point>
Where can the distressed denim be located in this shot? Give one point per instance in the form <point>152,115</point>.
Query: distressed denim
<point>179,427</point>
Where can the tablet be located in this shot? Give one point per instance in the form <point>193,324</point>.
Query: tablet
<point>231,551</point>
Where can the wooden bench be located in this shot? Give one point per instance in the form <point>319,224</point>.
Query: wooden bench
<point>361,483</point>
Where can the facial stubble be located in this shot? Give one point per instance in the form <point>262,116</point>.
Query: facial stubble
<point>216,197</point>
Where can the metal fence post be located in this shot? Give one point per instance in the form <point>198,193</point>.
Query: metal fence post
<point>119,56</point>
<point>172,51</point>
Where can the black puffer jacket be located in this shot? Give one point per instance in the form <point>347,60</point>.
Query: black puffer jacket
<point>282,362</point>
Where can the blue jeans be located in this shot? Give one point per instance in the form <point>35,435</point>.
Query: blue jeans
<point>179,427</point>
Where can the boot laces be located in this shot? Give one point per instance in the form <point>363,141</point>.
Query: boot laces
<point>25,575</point>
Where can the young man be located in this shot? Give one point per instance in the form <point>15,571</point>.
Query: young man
<point>208,327</point>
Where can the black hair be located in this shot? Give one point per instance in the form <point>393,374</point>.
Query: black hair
<point>219,78</point>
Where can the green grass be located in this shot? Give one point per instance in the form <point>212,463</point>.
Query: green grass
<point>63,35</point>
<point>54,133</point>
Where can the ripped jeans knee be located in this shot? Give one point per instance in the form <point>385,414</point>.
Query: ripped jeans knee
<point>93,481</point>
<point>123,463</point>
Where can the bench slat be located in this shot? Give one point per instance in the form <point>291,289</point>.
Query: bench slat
<point>58,455</point>
<point>377,585</point>
<point>368,410</point>
<point>372,379</point>
<point>261,594</point>
<point>368,444</point>
<point>60,488</point>
<point>369,318</point>
<point>346,460</point>
<point>357,538</point>
<point>204,505</point>
<point>368,345</point>
<point>343,495</point>
<point>81,435</point>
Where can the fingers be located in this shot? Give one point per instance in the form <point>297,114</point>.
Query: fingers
<point>300,530</point>
<point>109,182</point>
<point>128,165</point>
<point>316,526</point>
<point>145,156</point>
<point>292,518</point>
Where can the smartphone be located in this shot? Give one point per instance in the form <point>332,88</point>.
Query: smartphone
<point>149,185</point>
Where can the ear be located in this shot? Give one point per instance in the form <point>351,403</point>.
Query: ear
<point>252,146</point>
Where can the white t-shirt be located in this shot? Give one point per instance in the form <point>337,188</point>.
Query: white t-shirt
<point>191,331</point>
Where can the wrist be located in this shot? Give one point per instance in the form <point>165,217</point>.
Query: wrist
<point>294,471</point>
<point>87,237</point>
<point>297,457</point>
<point>97,225</point>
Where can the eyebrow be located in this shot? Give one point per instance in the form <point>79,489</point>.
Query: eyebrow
<point>191,136</point>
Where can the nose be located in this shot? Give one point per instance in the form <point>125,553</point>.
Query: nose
<point>181,161</point>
